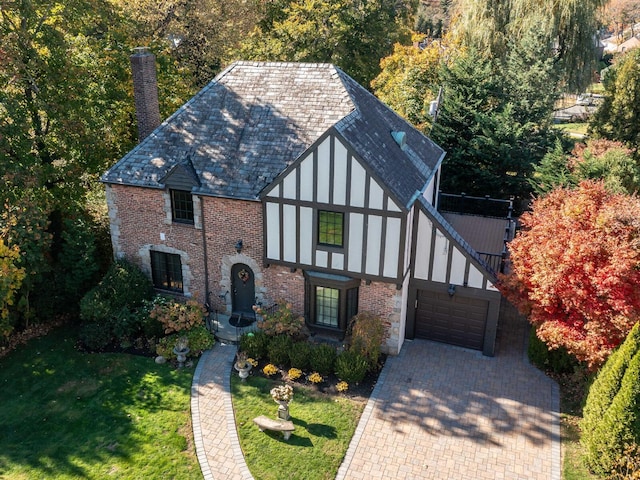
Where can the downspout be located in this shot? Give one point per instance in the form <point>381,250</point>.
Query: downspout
<point>207,296</point>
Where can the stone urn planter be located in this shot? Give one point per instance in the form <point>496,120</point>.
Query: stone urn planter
<point>242,365</point>
<point>181,351</point>
<point>283,410</point>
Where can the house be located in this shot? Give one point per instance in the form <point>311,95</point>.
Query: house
<point>291,181</point>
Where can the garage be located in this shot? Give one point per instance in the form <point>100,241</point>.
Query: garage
<point>456,320</point>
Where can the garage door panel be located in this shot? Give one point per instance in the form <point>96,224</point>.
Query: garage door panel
<point>456,320</point>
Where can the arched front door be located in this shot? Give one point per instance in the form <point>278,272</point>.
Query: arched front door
<point>243,288</point>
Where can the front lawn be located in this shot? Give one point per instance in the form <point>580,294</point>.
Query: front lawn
<point>324,425</point>
<point>67,414</point>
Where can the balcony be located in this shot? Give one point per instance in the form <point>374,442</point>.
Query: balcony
<point>487,224</point>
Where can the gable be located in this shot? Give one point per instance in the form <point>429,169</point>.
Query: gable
<point>331,173</point>
<point>442,256</point>
<point>330,177</point>
<point>181,177</point>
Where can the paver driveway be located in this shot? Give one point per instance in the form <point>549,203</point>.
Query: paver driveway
<point>438,412</point>
<point>442,412</point>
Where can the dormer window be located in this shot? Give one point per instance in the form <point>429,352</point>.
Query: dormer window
<point>182,206</point>
<point>330,228</point>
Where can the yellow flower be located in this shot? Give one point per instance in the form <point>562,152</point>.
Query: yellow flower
<point>294,373</point>
<point>342,386</point>
<point>253,362</point>
<point>315,377</point>
<point>270,369</point>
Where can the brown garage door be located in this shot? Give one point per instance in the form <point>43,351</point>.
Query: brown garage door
<point>455,320</point>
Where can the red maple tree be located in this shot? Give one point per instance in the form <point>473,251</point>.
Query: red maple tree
<point>575,269</point>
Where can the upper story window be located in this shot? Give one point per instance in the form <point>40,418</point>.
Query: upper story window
<point>166,271</point>
<point>182,206</point>
<point>330,228</point>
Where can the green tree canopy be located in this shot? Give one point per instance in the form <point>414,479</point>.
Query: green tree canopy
<point>353,34</point>
<point>603,160</point>
<point>64,117</point>
<point>191,39</point>
<point>618,117</point>
<point>567,29</point>
<point>494,123</point>
<point>406,81</point>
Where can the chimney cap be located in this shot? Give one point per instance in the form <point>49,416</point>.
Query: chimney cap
<point>141,50</point>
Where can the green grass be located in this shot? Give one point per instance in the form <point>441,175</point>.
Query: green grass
<point>573,467</point>
<point>579,128</point>
<point>324,427</point>
<point>66,415</point>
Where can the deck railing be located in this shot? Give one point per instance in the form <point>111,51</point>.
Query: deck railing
<point>483,206</point>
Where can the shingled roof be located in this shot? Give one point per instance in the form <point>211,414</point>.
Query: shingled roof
<point>255,119</point>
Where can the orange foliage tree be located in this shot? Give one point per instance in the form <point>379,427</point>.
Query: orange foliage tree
<point>576,269</point>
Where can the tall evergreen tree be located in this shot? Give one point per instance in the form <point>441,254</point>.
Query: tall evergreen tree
<point>618,118</point>
<point>493,123</point>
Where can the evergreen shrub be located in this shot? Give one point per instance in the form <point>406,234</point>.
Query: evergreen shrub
<point>557,360</point>
<point>351,366</point>
<point>255,344</point>
<point>299,355</point>
<point>367,334</point>
<point>322,358</point>
<point>108,310</point>
<point>278,349</point>
<point>611,416</point>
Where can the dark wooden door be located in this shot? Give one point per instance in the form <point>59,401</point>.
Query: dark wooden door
<point>243,288</point>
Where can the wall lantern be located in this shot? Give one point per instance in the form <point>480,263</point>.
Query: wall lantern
<point>239,246</point>
<point>451,290</point>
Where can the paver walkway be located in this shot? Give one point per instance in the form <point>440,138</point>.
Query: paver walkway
<point>437,412</point>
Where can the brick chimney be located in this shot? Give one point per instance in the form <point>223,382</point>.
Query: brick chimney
<point>145,91</point>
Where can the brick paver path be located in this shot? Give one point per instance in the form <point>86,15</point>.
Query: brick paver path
<point>437,412</point>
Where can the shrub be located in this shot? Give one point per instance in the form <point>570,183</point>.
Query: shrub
<point>283,321</point>
<point>322,358</point>
<point>124,323</point>
<point>299,354</point>
<point>557,360</point>
<point>611,416</point>
<point>278,349</point>
<point>367,334</point>
<point>177,316</point>
<point>351,366</point>
<point>124,285</point>
<point>255,344</point>
<point>200,339</point>
<point>150,327</point>
<point>165,346</point>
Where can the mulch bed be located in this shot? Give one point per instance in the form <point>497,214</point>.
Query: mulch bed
<point>358,392</point>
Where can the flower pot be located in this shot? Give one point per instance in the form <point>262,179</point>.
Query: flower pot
<point>181,354</point>
<point>243,370</point>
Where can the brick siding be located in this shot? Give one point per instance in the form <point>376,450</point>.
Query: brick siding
<point>225,222</point>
